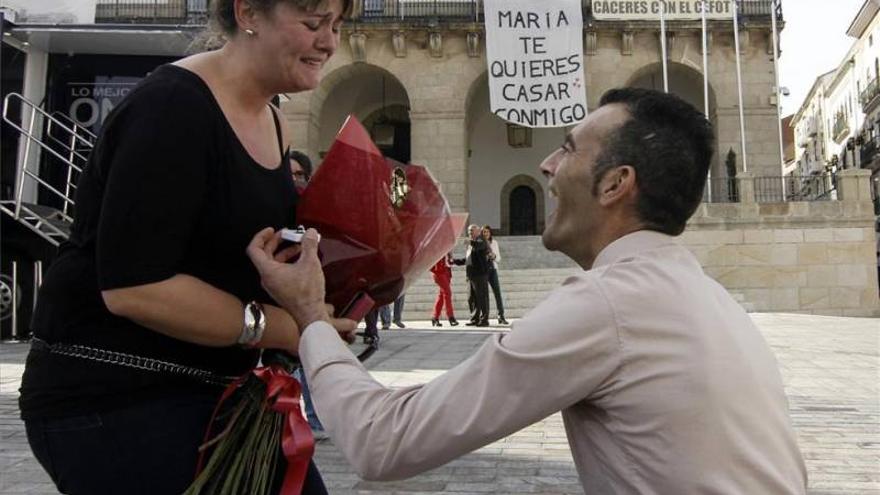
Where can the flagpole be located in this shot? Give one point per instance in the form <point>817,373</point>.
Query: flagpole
<point>705,62</point>
<point>742,116</point>
<point>663,44</point>
<point>706,83</point>
<point>773,5</point>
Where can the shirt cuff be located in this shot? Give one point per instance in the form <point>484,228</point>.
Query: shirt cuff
<point>320,345</point>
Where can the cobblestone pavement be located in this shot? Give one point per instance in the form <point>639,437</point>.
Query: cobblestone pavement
<point>831,368</point>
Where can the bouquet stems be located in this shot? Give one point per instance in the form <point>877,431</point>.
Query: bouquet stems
<point>244,456</point>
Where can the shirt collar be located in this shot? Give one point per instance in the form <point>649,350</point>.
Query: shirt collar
<point>632,244</point>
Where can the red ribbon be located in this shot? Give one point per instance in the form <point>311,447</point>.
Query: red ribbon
<point>297,443</point>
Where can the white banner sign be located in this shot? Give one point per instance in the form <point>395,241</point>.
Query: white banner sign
<point>649,10</point>
<point>536,62</point>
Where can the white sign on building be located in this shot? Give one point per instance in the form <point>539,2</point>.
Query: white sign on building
<point>534,52</point>
<point>676,10</point>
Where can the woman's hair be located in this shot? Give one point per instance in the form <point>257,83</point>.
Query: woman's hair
<point>305,163</point>
<point>486,227</point>
<point>223,12</point>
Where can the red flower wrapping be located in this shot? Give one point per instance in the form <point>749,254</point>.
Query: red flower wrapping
<point>368,243</point>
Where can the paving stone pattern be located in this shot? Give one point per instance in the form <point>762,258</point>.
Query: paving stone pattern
<point>831,368</point>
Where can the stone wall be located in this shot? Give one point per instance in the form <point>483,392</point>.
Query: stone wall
<point>442,80</point>
<point>812,257</point>
<point>798,257</point>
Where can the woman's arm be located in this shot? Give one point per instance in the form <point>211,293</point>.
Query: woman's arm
<point>186,308</point>
<point>496,251</point>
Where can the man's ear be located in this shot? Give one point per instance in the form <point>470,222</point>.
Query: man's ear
<point>617,184</point>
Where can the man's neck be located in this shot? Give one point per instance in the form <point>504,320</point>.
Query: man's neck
<point>602,239</point>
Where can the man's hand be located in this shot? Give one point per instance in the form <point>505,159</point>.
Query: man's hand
<point>297,287</point>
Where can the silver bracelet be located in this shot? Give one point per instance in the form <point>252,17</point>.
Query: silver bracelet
<point>254,324</point>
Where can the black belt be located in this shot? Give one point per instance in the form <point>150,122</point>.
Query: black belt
<point>129,361</point>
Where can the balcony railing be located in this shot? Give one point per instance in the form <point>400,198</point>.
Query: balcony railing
<point>772,189</point>
<point>152,11</point>
<point>868,153</point>
<point>869,95</point>
<point>759,8</point>
<point>841,128</point>
<point>420,11</point>
<point>793,188</point>
<point>429,12</point>
<point>723,190</point>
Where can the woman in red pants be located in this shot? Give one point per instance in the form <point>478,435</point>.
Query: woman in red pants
<point>442,271</point>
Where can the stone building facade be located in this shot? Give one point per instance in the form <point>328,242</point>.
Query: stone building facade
<point>838,125</point>
<point>810,129</point>
<point>428,76</point>
<point>415,73</point>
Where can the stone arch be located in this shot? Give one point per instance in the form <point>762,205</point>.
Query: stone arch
<point>360,89</point>
<point>492,160</point>
<point>682,76</point>
<point>508,189</point>
<point>395,116</point>
<point>475,90</point>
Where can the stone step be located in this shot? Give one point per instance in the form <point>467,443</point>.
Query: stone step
<point>521,289</point>
<point>526,252</point>
<point>506,286</point>
<point>459,298</point>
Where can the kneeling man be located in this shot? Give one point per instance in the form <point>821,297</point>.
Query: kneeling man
<point>664,383</point>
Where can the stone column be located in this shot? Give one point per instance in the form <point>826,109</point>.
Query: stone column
<point>746,187</point>
<point>303,126</point>
<point>439,143</point>
<point>854,185</point>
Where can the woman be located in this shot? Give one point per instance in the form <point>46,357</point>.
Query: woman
<point>494,258</point>
<point>442,272</point>
<point>188,168</point>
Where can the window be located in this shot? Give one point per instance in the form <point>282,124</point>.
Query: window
<point>373,8</point>
<point>519,136</point>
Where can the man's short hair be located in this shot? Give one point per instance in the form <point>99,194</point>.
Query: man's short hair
<point>670,144</point>
<point>304,161</point>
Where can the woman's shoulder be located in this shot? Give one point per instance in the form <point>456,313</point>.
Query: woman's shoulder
<point>169,103</point>
<point>172,89</point>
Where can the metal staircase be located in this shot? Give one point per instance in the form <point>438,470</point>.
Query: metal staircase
<point>51,158</point>
<point>65,147</point>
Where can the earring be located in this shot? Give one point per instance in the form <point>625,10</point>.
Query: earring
<point>250,32</point>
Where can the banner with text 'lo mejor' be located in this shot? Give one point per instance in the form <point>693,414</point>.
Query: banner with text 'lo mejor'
<point>534,52</point>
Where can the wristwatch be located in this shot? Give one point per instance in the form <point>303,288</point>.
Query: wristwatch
<point>254,324</point>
